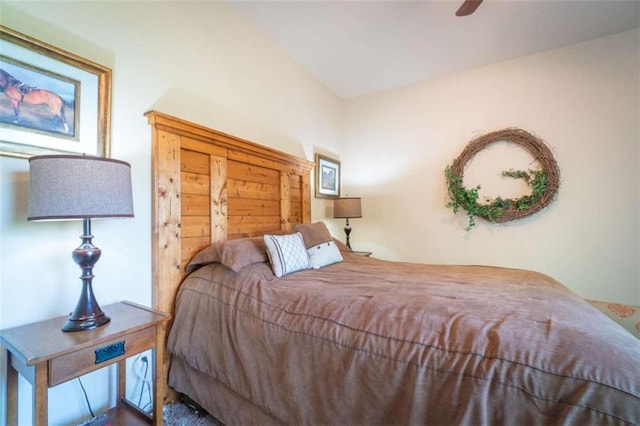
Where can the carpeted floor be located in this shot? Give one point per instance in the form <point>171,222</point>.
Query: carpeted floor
<point>185,413</point>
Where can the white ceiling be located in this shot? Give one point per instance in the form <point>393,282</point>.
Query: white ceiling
<point>362,47</point>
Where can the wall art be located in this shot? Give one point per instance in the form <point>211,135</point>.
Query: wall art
<point>327,177</point>
<point>543,182</point>
<point>51,101</point>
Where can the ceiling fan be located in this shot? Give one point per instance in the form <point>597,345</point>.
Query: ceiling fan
<point>468,7</point>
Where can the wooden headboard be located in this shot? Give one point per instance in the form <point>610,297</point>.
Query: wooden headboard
<point>209,186</point>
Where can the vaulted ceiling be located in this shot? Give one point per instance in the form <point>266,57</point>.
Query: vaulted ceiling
<point>363,47</point>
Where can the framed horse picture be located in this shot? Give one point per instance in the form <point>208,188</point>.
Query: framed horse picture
<point>51,101</point>
<point>327,177</point>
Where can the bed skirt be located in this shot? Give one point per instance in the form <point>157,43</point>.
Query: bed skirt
<point>220,401</point>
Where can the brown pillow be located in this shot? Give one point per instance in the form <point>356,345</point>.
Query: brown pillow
<point>313,233</point>
<point>234,254</point>
<point>210,254</point>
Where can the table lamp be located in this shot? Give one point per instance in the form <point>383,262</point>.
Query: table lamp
<point>80,187</point>
<point>347,208</point>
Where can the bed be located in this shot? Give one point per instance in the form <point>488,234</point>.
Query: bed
<point>356,340</point>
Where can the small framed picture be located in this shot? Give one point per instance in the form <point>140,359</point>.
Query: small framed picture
<point>327,177</point>
<point>51,101</point>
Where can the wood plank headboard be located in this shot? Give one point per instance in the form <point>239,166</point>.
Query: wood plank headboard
<point>209,186</point>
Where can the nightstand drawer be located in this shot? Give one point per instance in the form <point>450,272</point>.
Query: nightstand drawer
<point>77,363</point>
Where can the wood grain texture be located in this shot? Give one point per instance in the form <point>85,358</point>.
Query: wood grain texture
<point>69,366</point>
<point>166,232</point>
<point>210,186</point>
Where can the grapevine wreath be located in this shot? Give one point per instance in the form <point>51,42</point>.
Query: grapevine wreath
<point>544,182</point>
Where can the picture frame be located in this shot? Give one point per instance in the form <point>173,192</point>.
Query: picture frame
<point>51,101</point>
<point>328,175</point>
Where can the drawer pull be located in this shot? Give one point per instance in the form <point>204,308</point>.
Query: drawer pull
<point>109,352</point>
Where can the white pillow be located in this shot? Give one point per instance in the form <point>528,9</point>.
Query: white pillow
<point>287,253</point>
<point>324,254</point>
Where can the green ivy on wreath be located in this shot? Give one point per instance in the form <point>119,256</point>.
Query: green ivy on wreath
<point>543,182</point>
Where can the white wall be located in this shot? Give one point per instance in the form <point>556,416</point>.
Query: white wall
<point>582,99</point>
<point>198,61</point>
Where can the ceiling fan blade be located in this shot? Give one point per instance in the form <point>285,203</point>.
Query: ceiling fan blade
<point>468,7</point>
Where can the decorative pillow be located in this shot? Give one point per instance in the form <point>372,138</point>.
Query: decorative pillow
<point>210,254</point>
<point>313,233</point>
<point>234,254</point>
<point>324,254</point>
<point>287,253</point>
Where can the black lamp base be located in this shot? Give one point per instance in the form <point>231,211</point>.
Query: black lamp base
<point>347,232</point>
<point>86,323</point>
<point>87,315</point>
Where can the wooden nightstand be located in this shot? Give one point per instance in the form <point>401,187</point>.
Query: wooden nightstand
<point>46,356</point>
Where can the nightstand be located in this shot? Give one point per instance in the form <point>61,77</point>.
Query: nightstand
<point>46,356</point>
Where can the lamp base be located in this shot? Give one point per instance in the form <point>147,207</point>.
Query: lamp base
<point>347,232</point>
<point>87,315</point>
<point>79,323</point>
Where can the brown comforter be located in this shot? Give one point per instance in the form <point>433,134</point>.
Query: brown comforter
<point>370,342</point>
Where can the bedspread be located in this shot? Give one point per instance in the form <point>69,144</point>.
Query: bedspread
<point>372,342</point>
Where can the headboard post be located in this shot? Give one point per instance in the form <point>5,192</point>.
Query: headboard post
<point>166,233</point>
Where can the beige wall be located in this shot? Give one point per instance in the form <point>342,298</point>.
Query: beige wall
<point>198,61</point>
<point>582,99</point>
<point>202,62</point>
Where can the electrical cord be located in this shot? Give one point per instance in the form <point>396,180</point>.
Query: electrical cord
<point>146,383</point>
<point>144,378</point>
<point>86,398</point>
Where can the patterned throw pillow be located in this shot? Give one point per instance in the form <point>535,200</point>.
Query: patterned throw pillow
<point>324,254</point>
<point>287,253</point>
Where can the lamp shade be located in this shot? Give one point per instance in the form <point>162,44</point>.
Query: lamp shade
<point>347,207</point>
<point>78,187</point>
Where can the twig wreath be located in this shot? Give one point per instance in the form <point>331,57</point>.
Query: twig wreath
<point>543,182</point>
